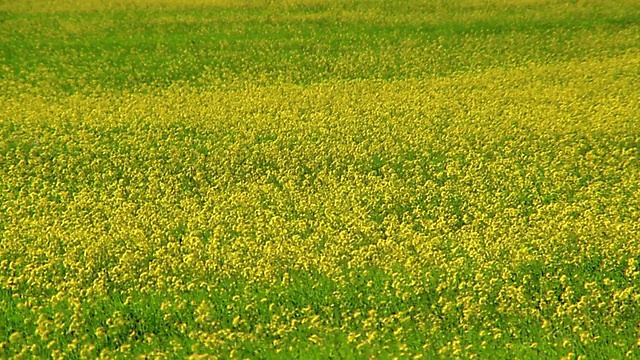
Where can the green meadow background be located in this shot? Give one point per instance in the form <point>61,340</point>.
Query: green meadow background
<point>128,46</point>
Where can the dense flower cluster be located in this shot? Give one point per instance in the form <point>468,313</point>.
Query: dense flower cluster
<point>489,212</point>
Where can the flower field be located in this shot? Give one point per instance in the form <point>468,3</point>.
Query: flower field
<point>320,179</point>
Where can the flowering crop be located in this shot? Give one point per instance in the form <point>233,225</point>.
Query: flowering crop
<point>243,180</point>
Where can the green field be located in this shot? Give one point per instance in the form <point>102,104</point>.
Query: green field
<point>320,179</point>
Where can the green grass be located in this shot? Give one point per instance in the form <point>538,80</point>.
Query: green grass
<point>124,50</point>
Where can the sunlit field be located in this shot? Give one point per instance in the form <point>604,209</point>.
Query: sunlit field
<point>318,179</point>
